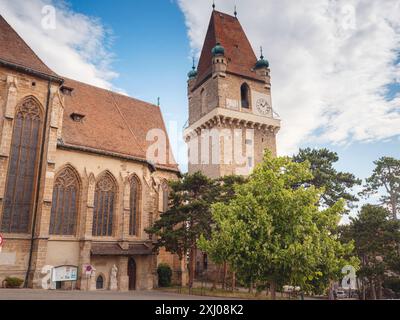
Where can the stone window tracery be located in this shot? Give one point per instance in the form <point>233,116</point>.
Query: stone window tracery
<point>22,170</point>
<point>165,196</point>
<point>65,203</point>
<point>104,206</point>
<point>134,201</point>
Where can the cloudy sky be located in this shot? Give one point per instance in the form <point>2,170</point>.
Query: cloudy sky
<point>335,63</point>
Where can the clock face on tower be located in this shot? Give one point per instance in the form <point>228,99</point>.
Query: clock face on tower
<point>263,107</point>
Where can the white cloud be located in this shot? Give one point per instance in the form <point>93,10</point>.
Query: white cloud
<point>330,62</point>
<point>77,48</point>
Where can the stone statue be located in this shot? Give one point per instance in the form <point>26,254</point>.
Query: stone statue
<point>113,278</point>
<point>91,280</point>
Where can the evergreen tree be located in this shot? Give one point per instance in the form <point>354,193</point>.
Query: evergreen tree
<point>336,185</point>
<point>377,242</point>
<point>188,217</point>
<point>386,176</point>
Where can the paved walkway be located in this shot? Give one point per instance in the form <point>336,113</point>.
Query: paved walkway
<point>29,294</point>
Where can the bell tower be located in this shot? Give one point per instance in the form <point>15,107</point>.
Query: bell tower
<point>231,119</point>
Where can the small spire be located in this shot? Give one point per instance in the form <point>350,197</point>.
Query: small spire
<point>213,5</point>
<point>193,67</point>
<point>158,101</point>
<point>261,50</point>
<point>235,12</point>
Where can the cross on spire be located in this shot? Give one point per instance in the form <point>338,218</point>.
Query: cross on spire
<point>235,11</point>
<point>213,5</point>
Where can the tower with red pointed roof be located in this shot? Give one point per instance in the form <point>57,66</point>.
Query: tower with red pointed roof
<point>231,119</point>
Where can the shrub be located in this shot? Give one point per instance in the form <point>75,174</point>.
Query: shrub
<point>12,282</point>
<point>393,284</point>
<point>164,275</point>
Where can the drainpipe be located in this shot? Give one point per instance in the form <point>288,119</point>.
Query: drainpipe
<point>38,185</point>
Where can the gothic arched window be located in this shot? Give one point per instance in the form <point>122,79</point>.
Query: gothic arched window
<point>104,206</point>
<point>65,203</point>
<point>245,95</point>
<point>165,196</point>
<point>134,202</point>
<point>22,170</point>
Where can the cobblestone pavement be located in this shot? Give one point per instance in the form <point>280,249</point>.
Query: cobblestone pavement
<point>28,294</point>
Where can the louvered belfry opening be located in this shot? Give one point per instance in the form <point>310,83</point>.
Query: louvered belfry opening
<point>135,198</point>
<point>104,206</point>
<point>22,170</point>
<point>64,209</point>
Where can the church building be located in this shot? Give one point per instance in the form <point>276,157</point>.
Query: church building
<point>76,186</point>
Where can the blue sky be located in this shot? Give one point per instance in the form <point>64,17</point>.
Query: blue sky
<point>152,56</point>
<point>151,50</point>
<point>331,62</point>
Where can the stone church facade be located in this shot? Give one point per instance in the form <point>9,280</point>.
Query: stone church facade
<point>76,188</point>
<point>231,119</point>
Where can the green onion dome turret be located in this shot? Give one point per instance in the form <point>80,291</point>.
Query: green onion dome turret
<point>192,73</point>
<point>262,63</point>
<point>218,50</point>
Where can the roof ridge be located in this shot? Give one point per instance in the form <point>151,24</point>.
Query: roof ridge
<point>228,31</point>
<point>225,14</point>
<point>111,91</point>
<point>51,73</point>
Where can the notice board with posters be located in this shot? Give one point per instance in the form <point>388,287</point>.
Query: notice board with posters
<point>65,273</point>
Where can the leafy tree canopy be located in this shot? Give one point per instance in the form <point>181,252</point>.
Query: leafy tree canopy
<point>272,232</point>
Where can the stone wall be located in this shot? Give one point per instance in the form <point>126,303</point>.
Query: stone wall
<point>218,92</point>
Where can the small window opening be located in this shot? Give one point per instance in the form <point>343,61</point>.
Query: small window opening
<point>66,90</point>
<point>250,162</point>
<point>245,96</point>
<point>77,117</point>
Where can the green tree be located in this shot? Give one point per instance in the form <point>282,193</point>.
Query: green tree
<point>376,238</point>
<point>336,185</point>
<point>272,232</point>
<point>386,175</point>
<point>189,216</point>
<point>224,191</point>
<point>225,187</point>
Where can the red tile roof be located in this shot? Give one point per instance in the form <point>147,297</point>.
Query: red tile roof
<point>13,49</point>
<point>112,122</point>
<point>228,31</point>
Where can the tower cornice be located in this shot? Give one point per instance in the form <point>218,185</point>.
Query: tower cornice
<point>221,117</point>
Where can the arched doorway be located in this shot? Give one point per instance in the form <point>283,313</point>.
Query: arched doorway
<point>132,274</point>
<point>100,282</point>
